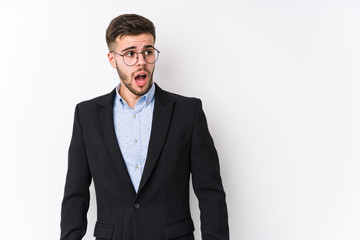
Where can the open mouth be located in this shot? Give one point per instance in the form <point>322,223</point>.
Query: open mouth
<point>141,79</point>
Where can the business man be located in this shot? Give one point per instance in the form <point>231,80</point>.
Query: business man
<point>139,145</point>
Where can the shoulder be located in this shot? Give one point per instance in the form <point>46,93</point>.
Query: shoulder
<point>177,98</point>
<point>102,100</point>
<point>184,104</point>
<point>181,98</point>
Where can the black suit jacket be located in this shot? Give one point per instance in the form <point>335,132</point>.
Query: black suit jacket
<point>180,146</point>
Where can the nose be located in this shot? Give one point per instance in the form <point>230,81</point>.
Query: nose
<point>141,59</point>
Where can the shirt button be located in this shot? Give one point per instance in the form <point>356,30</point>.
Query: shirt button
<point>136,140</point>
<point>134,116</point>
<point>137,166</point>
<point>137,205</point>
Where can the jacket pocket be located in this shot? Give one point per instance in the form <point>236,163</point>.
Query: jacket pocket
<point>103,231</point>
<point>179,229</point>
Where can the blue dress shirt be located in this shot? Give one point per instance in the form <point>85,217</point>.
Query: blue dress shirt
<point>133,128</point>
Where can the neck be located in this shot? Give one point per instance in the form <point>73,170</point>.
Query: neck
<point>130,98</point>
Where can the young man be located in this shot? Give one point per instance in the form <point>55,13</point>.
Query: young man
<point>139,145</point>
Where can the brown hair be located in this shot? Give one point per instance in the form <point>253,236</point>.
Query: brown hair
<point>128,24</point>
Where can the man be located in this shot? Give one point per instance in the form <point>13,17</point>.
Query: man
<point>139,145</point>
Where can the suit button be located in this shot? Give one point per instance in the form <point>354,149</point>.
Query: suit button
<point>137,205</point>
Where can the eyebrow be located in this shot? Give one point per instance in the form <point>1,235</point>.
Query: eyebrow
<point>133,47</point>
<point>149,46</point>
<point>128,48</point>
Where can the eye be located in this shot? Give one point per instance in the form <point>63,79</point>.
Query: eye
<point>149,52</point>
<point>129,54</point>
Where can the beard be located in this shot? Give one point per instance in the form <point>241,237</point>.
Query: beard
<point>127,81</point>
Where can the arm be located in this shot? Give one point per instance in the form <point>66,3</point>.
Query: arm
<point>207,181</point>
<point>75,203</point>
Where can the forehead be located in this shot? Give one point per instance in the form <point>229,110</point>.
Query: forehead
<point>137,41</point>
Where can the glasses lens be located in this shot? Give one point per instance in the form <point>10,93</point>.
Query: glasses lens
<point>151,55</point>
<point>130,58</point>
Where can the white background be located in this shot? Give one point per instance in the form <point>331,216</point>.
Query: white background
<point>279,81</point>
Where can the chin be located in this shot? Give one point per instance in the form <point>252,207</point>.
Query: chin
<point>140,91</point>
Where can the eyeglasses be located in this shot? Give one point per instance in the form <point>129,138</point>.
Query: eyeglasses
<point>130,58</point>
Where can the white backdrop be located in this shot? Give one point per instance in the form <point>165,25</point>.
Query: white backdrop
<point>279,81</point>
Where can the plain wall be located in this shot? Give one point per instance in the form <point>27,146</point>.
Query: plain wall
<point>279,81</point>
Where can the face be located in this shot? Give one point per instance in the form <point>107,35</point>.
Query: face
<point>136,79</point>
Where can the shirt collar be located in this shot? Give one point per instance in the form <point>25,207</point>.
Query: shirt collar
<point>148,97</point>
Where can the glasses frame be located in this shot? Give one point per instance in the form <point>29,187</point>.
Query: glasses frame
<point>137,56</point>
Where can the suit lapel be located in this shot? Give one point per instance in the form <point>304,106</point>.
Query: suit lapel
<point>161,119</point>
<point>160,124</point>
<point>108,130</point>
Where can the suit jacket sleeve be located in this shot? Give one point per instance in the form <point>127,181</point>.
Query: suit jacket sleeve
<point>75,203</point>
<point>207,182</point>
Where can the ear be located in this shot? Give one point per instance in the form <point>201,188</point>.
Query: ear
<point>112,60</point>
